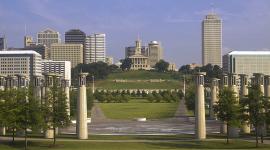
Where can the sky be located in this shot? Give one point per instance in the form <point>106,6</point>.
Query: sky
<point>175,23</point>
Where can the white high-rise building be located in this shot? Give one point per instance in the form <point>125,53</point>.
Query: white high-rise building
<point>26,62</point>
<point>155,53</point>
<point>212,40</point>
<point>95,48</point>
<point>247,62</point>
<point>59,67</point>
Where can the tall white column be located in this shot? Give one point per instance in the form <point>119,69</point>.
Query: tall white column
<point>200,127</point>
<point>214,97</point>
<point>82,129</point>
<point>245,128</point>
<point>65,86</point>
<point>259,80</point>
<point>267,86</point>
<point>37,88</point>
<point>224,84</point>
<point>48,85</point>
<point>234,131</point>
<point>2,88</point>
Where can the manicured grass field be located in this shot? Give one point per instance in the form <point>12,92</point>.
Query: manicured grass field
<point>125,145</point>
<point>138,108</point>
<point>140,74</point>
<point>109,84</point>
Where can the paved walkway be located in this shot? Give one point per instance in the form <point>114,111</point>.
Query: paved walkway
<point>180,124</point>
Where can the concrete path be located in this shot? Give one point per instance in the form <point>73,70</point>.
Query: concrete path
<point>181,110</point>
<point>97,114</point>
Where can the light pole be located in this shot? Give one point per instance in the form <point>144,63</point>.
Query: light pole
<point>93,84</point>
<point>184,90</point>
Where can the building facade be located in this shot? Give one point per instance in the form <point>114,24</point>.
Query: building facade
<point>3,43</point>
<point>67,52</point>
<point>138,60</point>
<point>28,40</point>
<point>14,62</point>
<point>75,36</point>
<point>95,48</point>
<point>48,37</point>
<point>212,40</point>
<point>109,60</point>
<point>155,53</point>
<point>59,67</point>
<point>129,51</point>
<point>247,62</point>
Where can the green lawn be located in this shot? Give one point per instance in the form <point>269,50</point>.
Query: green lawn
<point>138,108</point>
<point>140,74</point>
<point>87,145</point>
<point>109,84</point>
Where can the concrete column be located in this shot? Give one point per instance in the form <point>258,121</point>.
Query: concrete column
<point>224,84</point>
<point>267,86</point>
<point>214,97</point>
<point>37,88</point>
<point>259,80</point>
<point>2,88</point>
<point>11,82</point>
<point>200,127</point>
<point>65,86</point>
<point>48,84</point>
<point>81,126</point>
<point>233,131</point>
<point>244,92</point>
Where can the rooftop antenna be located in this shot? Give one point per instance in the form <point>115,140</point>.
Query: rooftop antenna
<point>212,5</point>
<point>25,29</point>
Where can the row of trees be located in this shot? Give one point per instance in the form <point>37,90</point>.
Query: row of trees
<point>123,97</point>
<point>21,111</point>
<point>252,109</point>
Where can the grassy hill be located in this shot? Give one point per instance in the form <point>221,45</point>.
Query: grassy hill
<point>170,80</point>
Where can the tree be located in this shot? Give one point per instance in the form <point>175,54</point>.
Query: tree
<point>227,109</point>
<point>254,109</point>
<point>190,98</point>
<point>126,64</point>
<point>162,66</point>
<point>55,109</point>
<point>150,97</point>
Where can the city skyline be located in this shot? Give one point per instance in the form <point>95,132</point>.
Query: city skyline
<point>179,28</point>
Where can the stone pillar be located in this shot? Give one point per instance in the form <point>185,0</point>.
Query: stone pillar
<point>48,84</point>
<point>244,92</point>
<point>267,86</point>
<point>82,129</point>
<point>37,88</point>
<point>2,88</point>
<point>11,82</point>
<point>224,84</point>
<point>65,86</point>
<point>200,127</point>
<point>259,80</point>
<point>233,131</point>
<point>214,97</point>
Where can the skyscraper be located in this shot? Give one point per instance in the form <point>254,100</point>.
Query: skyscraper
<point>75,36</point>
<point>3,43</point>
<point>211,40</point>
<point>155,53</point>
<point>48,37</point>
<point>95,48</point>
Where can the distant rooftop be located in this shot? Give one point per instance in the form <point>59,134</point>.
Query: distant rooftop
<point>19,52</point>
<point>249,53</point>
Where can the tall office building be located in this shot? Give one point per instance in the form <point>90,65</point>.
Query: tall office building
<point>3,43</point>
<point>28,40</point>
<point>212,40</point>
<point>155,53</point>
<point>59,67</point>
<point>96,47</point>
<point>48,37</point>
<point>14,62</point>
<point>67,52</point>
<point>75,36</point>
<point>247,62</point>
<point>39,48</point>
